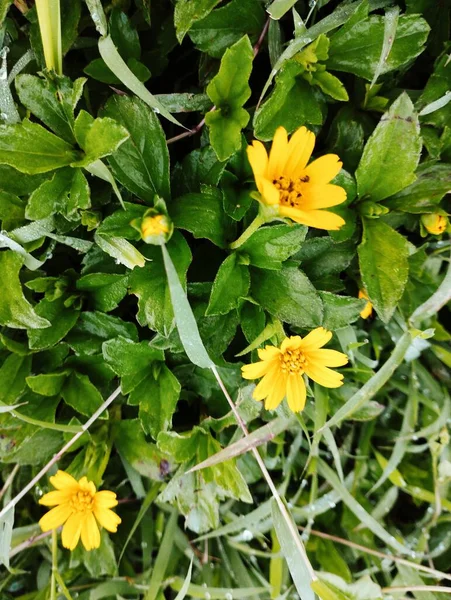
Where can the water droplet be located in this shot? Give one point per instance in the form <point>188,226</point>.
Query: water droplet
<point>156,110</point>
<point>143,544</point>
<point>207,596</point>
<point>229,596</point>
<point>332,504</point>
<point>247,535</point>
<point>414,438</point>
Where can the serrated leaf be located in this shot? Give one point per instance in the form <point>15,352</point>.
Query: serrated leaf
<point>339,311</point>
<point>383,259</point>
<point>79,393</point>
<point>15,310</point>
<point>269,247</point>
<point>391,154</point>
<point>105,290</point>
<point>231,283</point>
<point>62,320</point>
<point>229,90</point>
<point>127,357</point>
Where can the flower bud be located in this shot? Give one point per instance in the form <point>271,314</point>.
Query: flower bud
<point>434,223</point>
<point>155,228</point>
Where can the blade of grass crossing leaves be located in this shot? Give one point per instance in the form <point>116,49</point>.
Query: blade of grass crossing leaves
<point>301,574</point>
<point>436,105</point>
<point>390,26</point>
<point>151,495</point>
<point>186,323</point>
<point>98,16</point>
<point>100,170</point>
<point>6,532</point>
<point>364,517</point>
<point>199,591</point>
<point>162,560</point>
<point>184,589</point>
<point>279,7</point>
<point>116,64</point>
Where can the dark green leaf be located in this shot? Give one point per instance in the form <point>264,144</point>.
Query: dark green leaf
<point>292,103</point>
<point>62,320</point>
<point>383,256</point>
<point>339,311</point>
<point>93,328</point>
<point>30,148</point>
<point>269,247</point>
<point>225,26</point>
<point>47,384</point>
<point>187,12</point>
<point>391,154</point>
<point>231,283</point>
<point>20,184</point>
<point>81,394</point>
<point>15,310</point>
<point>437,86</point>
<point>149,284</point>
<point>105,290</point>
<point>141,164</point>
<point>13,374</point>
<point>126,357</point>
<point>288,295</point>
<point>124,35</point>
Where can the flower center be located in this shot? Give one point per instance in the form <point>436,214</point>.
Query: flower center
<point>293,361</point>
<point>82,502</point>
<point>154,226</point>
<point>291,190</point>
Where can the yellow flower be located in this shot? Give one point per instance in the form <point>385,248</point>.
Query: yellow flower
<point>294,189</point>
<point>79,507</point>
<point>283,368</point>
<point>367,310</point>
<point>435,223</point>
<point>157,225</point>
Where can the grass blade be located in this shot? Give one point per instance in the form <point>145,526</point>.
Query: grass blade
<point>390,26</point>
<point>162,560</point>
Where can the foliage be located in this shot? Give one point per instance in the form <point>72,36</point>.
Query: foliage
<point>157,106</point>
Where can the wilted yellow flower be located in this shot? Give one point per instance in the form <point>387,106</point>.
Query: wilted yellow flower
<point>367,310</point>
<point>294,189</point>
<point>79,507</point>
<point>283,368</point>
<point>434,223</point>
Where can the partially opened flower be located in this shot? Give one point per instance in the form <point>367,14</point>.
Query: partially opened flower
<point>434,223</point>
<point>293,188</point>
<point>283,369</point>
<point>79,507</point>
<point>367,310</point>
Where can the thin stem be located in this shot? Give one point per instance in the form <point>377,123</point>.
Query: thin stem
<point>9,480</point>
<point>391,557</point>
<point>256,223</point>
<point>54,565</point>
<point>29,543</point>
<point>261,37</point>
<point>64,449</point>
<point>431,307</point>
<point>267,477</point>
<point>417,588</point>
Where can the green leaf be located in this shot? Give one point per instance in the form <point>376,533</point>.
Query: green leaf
<point>114,62</point>
<point>231,283</point>
<point>4,7</point>
<point>98,137</point>
<point>437,86</point>
<point>62,320</point>
<point>157,399</point>
<point>126,357</point>
<point>30,148</point>
<point>150,285</point>
<point>15,310</point>
<point>357,49</point>
<point>81,394</point>
<point>225,26</point>
<point>391,154</point>
<point>121,250</point>
<point>339,311</point>
<point>383,259</point>
<point>203,215</point>
<point>20,184</point>
<point>94,328</point>
<point>278,8</point>
<point>105,290</point>
<point>292,103</point>
<point>425,193</point>
<point>269,247</point>
<point>13,375</point>
<point>288,295</point>
<point>124,35</point>
<point>390,26</point>
<point>187,12</point>
<point>52,100</point>
<point>229,90</point>
<point>47,384</point>
<point>141,163</point>
<point>66,193</point>
<point>330,85</point>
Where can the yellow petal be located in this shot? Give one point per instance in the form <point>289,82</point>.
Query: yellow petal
<point>258,159</point>
<point>90,534</point>
<point>270,194</point>
<point>107,519</point>
<point>321,219</point>
<point>55,517</point>
<point>328,358</point>
<point>278,153</point>
<point>277,392</point>
<point>322,196</point>
<point>323,169</point>
<point>324,376</point>
<point>105,499</point>
<point>316,339</point>
<point>71,531</point>
<point>266,384</point>
<point>55,497</point>
<point>268,352</point>
<point>291,343</point>
<point>63,480</point>
<point>256,370</point>
<point>296,392</point>
<point>300,148</point>
<point>367,311</point>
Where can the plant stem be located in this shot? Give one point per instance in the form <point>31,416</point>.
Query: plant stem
<point>54,565</point>
<point>256,223</point>
<point>64,449</point>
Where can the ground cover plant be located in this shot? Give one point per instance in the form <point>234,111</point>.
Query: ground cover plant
<point>225,266</point>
